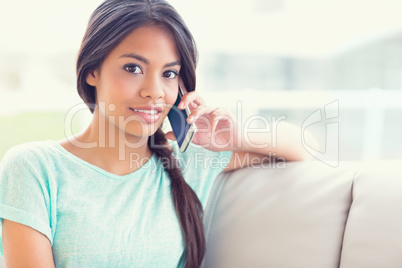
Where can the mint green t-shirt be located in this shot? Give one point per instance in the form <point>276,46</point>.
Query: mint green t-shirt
<point>94,218</point>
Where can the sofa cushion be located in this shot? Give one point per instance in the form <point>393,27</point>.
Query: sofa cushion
<point>373,235</point>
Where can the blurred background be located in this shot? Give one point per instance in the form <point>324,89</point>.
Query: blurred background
<point>332,67</point>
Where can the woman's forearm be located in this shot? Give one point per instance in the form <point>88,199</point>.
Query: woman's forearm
<point>285,140</point>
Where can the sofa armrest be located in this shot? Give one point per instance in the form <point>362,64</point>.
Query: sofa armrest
<point>290,217</point>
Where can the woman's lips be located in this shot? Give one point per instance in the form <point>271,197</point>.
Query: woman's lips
<point>150,115</point>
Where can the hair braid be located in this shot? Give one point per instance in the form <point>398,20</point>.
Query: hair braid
<point>188,207</point>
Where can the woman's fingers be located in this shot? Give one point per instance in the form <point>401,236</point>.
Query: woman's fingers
<point>208,117</point>
<point>200,110</point>
<point>212,116</point>
<point>217,115</point>
<point>192,98</point>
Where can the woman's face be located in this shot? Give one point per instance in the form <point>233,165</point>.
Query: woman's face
<point>138,81</point>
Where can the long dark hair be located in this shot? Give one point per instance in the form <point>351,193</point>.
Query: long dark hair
<point>110,23</point>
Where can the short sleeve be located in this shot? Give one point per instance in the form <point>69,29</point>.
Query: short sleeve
<point>24,191</point>
<point>201,167</point>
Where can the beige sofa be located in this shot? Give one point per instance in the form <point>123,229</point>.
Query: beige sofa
<point>307,215</point>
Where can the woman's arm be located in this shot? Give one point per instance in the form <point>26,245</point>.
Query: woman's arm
<point>283,143</point>
<point>25,247</point>
<point>218,130</point>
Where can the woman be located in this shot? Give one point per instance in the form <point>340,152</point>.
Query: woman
<point>119,194</point>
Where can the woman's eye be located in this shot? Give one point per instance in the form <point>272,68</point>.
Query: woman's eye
<point>170,74</point>
<point>135,69</point>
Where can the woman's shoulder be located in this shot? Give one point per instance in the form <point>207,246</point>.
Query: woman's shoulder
<point>29,152</point>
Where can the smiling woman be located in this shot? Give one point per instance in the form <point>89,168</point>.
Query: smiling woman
<point>146,64</point>
<point>119,194</point>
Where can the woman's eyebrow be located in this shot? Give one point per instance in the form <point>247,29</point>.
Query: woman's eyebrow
<point>144,60</point>
<point>172,64</point>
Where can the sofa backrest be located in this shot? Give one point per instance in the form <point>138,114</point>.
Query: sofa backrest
<point>306,215</point>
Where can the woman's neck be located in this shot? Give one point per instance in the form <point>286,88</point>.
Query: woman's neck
<point>110,148</point>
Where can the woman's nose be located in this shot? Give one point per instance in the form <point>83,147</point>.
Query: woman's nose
<point>152,88</point>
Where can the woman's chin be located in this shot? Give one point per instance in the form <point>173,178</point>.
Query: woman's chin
<point>141,132</point>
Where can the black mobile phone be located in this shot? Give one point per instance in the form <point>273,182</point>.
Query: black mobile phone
<point>182,130</point>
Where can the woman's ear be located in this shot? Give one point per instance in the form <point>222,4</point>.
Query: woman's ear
<point>92,78</point>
